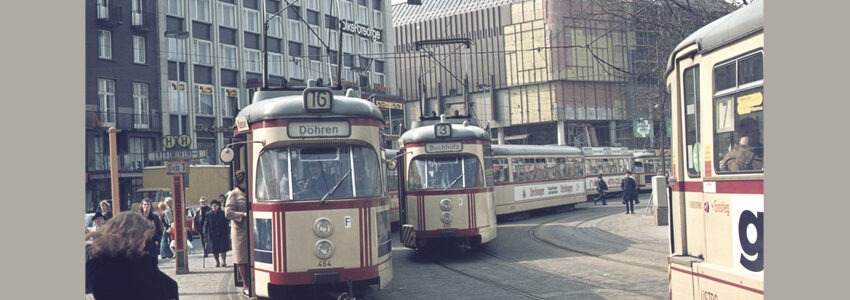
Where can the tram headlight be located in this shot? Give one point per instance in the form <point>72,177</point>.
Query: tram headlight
<point>446,218</point>
<point>324,249</point>
<point>446,204</point>
<point>323,227</point>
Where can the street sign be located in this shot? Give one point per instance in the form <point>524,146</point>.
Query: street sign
<point>176,167</point>
<point>184,140</point>
<point>169,141</point>
<point>185,154</point>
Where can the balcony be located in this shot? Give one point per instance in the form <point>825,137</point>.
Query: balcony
<point>108,16</point>
<point>148,122</point>
<point>142,22</point>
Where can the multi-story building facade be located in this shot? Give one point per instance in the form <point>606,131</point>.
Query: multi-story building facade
<point>122,91</point>
<point>173,67</point>
<point>537,71</point>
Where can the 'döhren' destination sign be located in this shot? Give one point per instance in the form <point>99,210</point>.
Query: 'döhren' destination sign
<point>319,129</point>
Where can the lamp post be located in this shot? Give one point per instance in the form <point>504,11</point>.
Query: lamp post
<point>180,35</point>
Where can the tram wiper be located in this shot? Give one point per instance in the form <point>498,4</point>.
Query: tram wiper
<point>453,182</point>
<point>336,187</point>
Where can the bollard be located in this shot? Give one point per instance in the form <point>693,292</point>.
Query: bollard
<point>659,195</point>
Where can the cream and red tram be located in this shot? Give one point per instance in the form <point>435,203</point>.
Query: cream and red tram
<point>648,164</point>
<point>447,192</point>
<point>715,79</point>
<point>532,177</point>
<point>319,209</point>
<point>610,162</point>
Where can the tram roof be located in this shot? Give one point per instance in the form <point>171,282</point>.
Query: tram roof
<point>425,134</point>
<point>535,150</point>
<point>270,105</point>
<point>733,26</point>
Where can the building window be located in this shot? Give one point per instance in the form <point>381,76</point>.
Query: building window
<point>250,20</point>
<point>379,19</point>
<point>103,9</point>
<point>176,50</point>
<point>138,147</point>
<point>136,12</point>
<point>379,49</point>
<point>295,68</point>
<point>138,49</point>
<point>347,43</point>
<point>330,7</point>
<point>204,97</point>
<point>203,52</point>
<point>141,106</point>
<point>294,31</point>
<point>315,69</point>
<point>333,40</point>
<point>274,25</point>
<point>226,15</point>
<point>314,40</point>
<point>363,15</point>
<point>230,103</point>
<point>177,98</point>
<point>364,46</point>
<point>346,11</point>
<point>314,5</point>
<point>104,44</point>
<point>275,64</point>
<point>252,60</point>
<point>201,10</point>
<point>228,57</point>
<point>106,96</point>
<point>175,8</point>
<point>346,74</point>
<point>379,78</point>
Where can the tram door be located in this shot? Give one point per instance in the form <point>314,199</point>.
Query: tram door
<point>402,187</point>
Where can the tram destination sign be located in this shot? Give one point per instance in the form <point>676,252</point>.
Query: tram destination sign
<point>177,155</point>
<point>443,147</point>
<point>319,129</point>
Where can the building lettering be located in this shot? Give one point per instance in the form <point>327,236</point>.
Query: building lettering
<point>360,30</point>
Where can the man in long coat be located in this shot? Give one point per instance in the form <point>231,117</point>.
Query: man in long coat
<point>236,210</point>
<point>630,193</point>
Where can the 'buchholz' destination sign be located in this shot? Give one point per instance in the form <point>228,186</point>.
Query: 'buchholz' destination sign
<point>443,147</point>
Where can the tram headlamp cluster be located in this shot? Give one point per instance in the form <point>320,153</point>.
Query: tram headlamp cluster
<point>446,218</point>
<point>323,227</point>
<point>324,249</point>
<point>446,204</point>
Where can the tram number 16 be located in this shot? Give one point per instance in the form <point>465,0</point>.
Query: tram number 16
<point>318,100</point>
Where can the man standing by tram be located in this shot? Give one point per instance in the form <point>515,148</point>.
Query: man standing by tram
<point>630,193</point>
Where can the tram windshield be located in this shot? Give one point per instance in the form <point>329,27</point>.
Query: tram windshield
<point>310,173</point>
<point>440,173</point>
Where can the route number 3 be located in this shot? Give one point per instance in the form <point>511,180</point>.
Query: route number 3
<point>443,130</point>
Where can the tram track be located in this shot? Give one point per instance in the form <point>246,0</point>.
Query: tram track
<point>495,283</point>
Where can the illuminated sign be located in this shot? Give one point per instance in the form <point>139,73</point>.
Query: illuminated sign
<point>443,147</point>
<point>360,30</point>
<point>319,129</point>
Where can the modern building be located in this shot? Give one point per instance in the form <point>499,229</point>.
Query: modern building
<point>186,67</point>
<point>122,91</point>
<point>534,71</point>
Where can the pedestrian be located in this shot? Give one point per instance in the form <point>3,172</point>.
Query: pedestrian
<point>601,187</point>
<point>236,210</point>
<point>172,234</point>
<point>152,245</point>
<point>165,239</point>
<point>106,210</point>
<point>199,222</point>
<point>120,267</point>
<point>630,193</point>
<point>217,233</point>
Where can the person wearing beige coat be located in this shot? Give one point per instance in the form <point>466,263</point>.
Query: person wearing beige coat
<point>236,210</point>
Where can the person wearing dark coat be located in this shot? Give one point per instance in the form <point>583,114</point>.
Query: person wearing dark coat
<point>120,268</point>
<point>630,193</point>
<point>217,233</point>
<point>199,222</point>
<point>152,244</point>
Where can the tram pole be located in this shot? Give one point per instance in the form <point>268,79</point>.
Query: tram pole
<point>179,224</point>
<point>113,170</point>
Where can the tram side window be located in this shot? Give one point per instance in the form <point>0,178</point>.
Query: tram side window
<point>739,116</point>
<point>574,167</point>
<point>273,175</point>
<point>693,148</point>
<point>501,170</point>
<point>518,170</point>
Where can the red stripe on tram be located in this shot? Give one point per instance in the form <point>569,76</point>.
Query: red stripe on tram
<point>718,280</point>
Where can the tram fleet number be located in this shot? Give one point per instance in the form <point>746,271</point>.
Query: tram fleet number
<point>324,263</point>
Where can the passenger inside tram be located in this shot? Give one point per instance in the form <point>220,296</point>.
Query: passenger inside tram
<point>748,153</point>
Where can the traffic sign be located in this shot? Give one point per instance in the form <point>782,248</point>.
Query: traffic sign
<point>169,141</point>
<point>176,167</point>
<point>184,140</point>
<point>185,154</point>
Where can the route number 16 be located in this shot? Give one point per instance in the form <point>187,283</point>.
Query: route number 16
<point>318,100</point>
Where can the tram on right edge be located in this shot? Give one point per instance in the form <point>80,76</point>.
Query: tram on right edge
<point>715,79</point>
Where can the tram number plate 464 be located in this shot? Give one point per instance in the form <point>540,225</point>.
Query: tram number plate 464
<point>324,263</point>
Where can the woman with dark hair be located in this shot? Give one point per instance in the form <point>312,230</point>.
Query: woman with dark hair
<point>152,244</point>
<point>120,267</point>
<point>217,233</point>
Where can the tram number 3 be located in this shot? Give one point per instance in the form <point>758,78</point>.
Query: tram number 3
<point>318,100</point>
<point>324,263</point>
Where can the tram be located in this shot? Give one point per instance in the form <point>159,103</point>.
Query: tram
<point>318,205</point>
<point>447,190</point>
<point>610,162</point>
<point>532,177</point>
<point>715,78</point>
<point>648,163</point>
<point>392,183</point>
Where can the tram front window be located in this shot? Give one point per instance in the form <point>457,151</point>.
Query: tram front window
<point>444,173</point>
<point>285,174</point>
